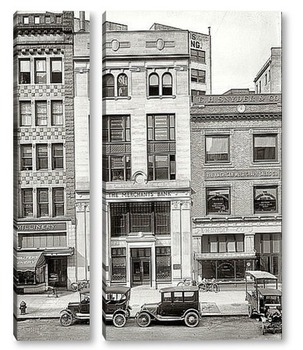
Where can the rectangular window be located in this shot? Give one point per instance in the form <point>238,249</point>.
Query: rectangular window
<point>265,199</point>
<point>217,149</point>
<point>25,113</point>
<point>56,71</point>
<point>117,148</point>
<point>265,148</point>
<point>57,156</point>
<point>58,201</point>
<point>26,157</point>
<point>57,113</point>
<point>27,202</point>
<point>197,55</point>
<point>198,76</point>
<point>163,264</point>
<point>24,71</point>
<point>40,71</point>
<point>42,240</point>
<point>161,147</point>
<point>42,202</point>
<point>42,156</point>
<point>118,258</point>
<point>37,19</point>
<point>222,243</point>
<point>41,113</point>
<point>218,200</point>
<point>140,217</point>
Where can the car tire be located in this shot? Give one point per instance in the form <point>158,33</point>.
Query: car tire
<point>250,311</point>
<point>74,287</point>
<point>66,319</point>
<point>203,287</point>
<point>216,288</point>
<point>143,319</point>
<point>119,320</point>
<point>191,319</point>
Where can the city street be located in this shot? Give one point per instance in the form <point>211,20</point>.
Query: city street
<point>50,329</point>
<point>210,328</point>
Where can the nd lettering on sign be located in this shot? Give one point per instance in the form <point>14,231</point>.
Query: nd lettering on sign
<point>195,41</point>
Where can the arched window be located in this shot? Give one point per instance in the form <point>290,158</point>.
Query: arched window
<point>153,85</point>
<point>122,85</point>
<point>108,85</point>
<point>167,84</point>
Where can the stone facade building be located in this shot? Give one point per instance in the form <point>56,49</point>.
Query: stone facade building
<point>46,52</point>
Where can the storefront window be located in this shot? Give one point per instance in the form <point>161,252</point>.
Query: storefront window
<point>118,264</point>
<point>265,199</point>
<point>163,264</point>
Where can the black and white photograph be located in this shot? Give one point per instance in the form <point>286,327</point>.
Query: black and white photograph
<point>192,141</point>
<point>51,175</point>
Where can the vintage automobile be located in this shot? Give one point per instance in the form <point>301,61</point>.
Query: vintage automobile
<point>262,293</point>
<point>115,304</point>
<point>180,303</point>
<point>76,311</point>
<point>272,321</point>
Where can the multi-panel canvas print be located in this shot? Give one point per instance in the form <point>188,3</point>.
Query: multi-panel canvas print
<point>51,175</point>
<point>192,118</point>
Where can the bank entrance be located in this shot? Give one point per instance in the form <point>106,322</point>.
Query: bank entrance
<point>140,266</point>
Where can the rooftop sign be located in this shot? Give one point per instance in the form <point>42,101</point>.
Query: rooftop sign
<point>236,99</point>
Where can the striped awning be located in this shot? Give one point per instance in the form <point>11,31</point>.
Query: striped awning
<point>28,261</point>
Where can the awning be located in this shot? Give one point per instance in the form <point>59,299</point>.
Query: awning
<point>28,261</point>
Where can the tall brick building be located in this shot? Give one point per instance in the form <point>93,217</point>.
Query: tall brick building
<point>147,81</point>
<point>47,245</point>
<point>236,183</point>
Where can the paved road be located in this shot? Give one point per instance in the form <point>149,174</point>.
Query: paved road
<point>50,329</point>
<point>210,328</point>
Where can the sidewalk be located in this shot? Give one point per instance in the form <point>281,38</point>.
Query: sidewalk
<point>223,303</point>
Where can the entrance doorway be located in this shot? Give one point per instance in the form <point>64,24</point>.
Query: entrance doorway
<point>58,267</point>
<point>140,266</point>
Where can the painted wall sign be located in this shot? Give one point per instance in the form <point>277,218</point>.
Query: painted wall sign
<point>42,227</point>
<point>236,99</point>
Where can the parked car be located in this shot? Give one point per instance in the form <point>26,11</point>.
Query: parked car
<point>272,321</point>
<point>76,310</point>
<point>180,303</point>
<point>115,305</point>
<point>262,293</point>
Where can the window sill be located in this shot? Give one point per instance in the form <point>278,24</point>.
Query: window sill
<point>115,98</point>
<point>160,97</point>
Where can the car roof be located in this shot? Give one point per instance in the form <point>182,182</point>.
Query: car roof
<point>179,289</point>
<point>261,275</point>
<point>270,291</point>
<point>116,289</point>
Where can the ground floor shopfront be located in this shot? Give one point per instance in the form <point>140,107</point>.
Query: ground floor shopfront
<point>44,255</point>
<point>225,250</point>
<point>148,237</point>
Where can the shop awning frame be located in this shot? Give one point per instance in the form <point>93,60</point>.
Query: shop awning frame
<point>28,261</point>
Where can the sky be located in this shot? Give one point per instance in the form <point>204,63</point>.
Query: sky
<point>241,40</point>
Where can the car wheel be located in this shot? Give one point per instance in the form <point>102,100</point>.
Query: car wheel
<point>66,319</point>
<point>143,319</point>
<point>215,288</point>
<point>119,320</point>
<point>202,287</point>
<point>74,287</point>
<point>191,319</point>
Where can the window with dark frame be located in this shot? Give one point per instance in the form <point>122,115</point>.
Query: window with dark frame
<point>27,202</point>
<point>153,85</point>
<point>167,84</point>
<point>161,150</point>
<point>265,148</point>
<point>108,85</point>
<point>58,201</point>
<point>198,75</point>
<point>24,71</point>
<point>56,113</point>
<point>57,156</point>
<point>40,71</point>
<point>163,264</point>
<point>42,202</point>
<point>265,199</point>
<point>42,156</point>
<point>140,217</point>
<point>41,113</point>
<point>25,113</point>
<point>42,240</point>
<point>197,55</point>
<point>26,157</point>
<point>118,259</point>
<point>56,70</point>
<point>217,149</point>
<point>122,85</point>
<point>117,148</point>
<point>222,243</point>
<point>218,201</point>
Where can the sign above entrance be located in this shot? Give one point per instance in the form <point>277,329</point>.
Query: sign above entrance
<point>148,194</point>
<point>42,227</point>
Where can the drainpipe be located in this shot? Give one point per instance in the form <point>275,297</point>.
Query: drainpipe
<point>210,64</point>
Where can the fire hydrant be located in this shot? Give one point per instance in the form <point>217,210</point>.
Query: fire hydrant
<point>23,307</point>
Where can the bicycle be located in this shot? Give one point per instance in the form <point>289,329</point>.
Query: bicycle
<point>187,281</point>
<point>209,286</point>
<point>79,285</point>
